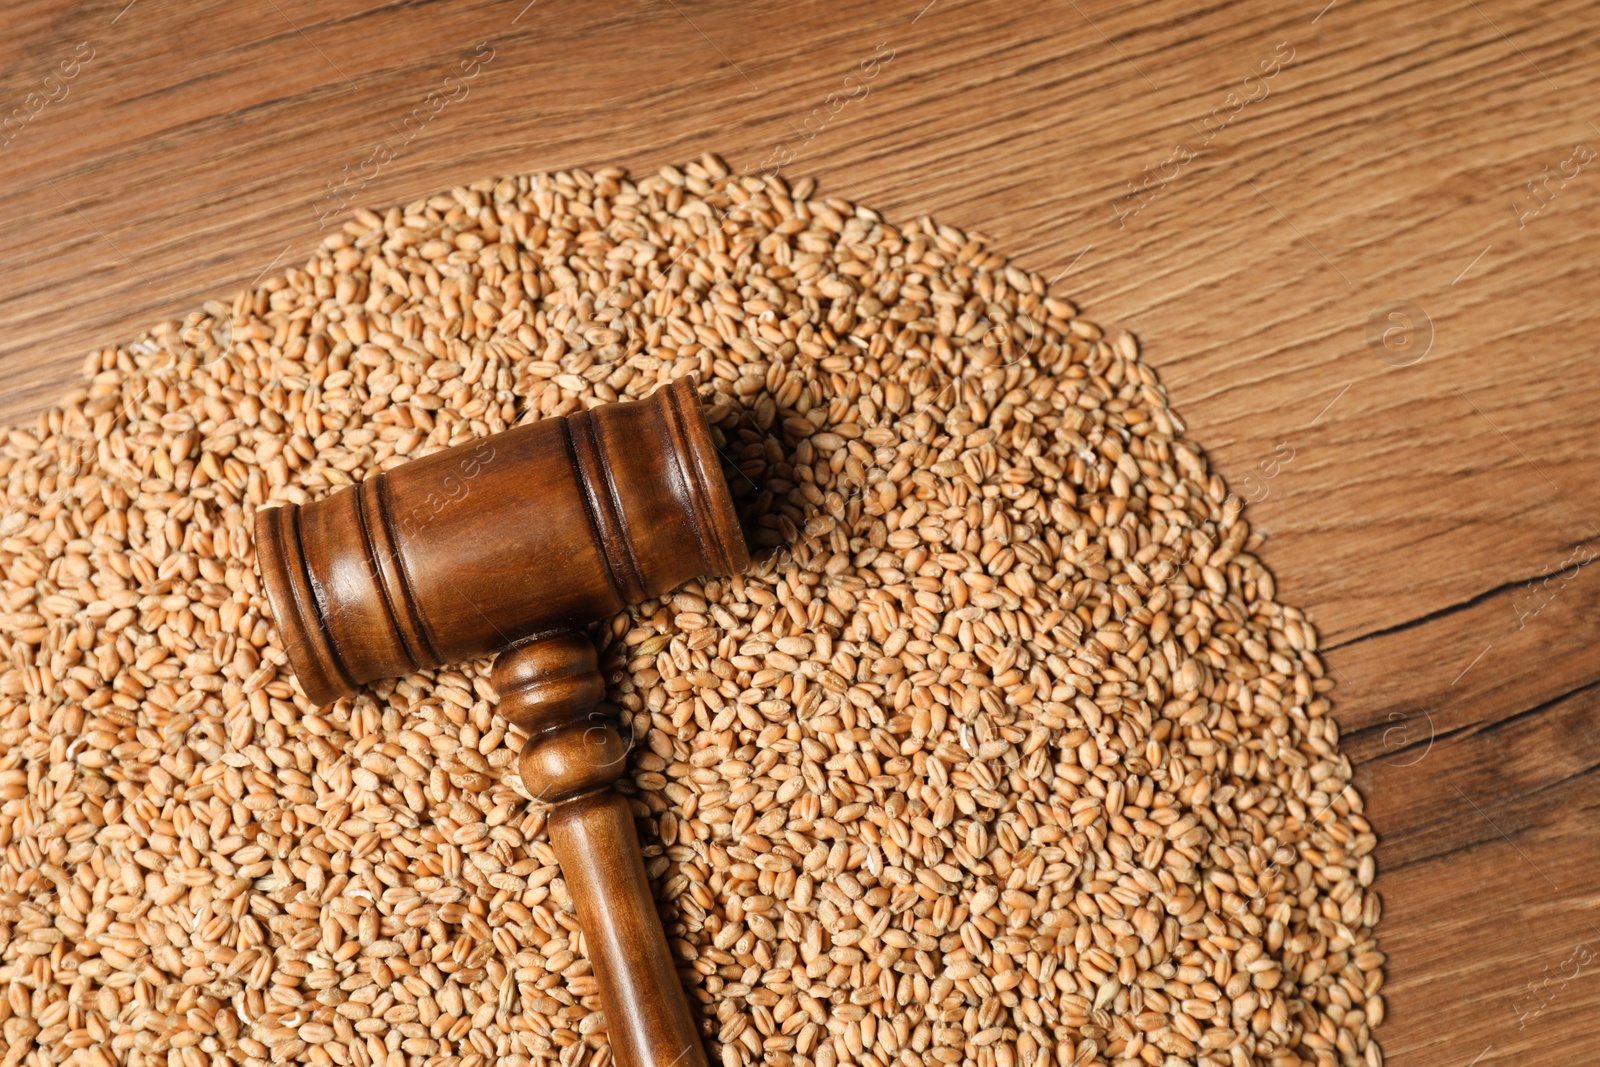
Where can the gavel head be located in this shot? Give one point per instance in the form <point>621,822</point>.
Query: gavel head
<point>545,526</point>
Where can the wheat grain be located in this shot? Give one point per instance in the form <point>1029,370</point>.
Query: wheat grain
<point>1003,754</point>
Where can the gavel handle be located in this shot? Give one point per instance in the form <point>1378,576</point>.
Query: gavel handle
<point>550,687</point>
<point>647,1017</point>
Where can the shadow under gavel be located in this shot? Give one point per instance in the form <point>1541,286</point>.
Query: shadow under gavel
<point>514,542</point>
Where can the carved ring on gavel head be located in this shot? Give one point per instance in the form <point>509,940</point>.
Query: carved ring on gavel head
<point>512,543</point>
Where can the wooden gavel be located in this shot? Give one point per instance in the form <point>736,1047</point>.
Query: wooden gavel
<point>514,542</point>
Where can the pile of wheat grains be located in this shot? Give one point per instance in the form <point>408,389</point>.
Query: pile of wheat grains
<point>1003,754</point>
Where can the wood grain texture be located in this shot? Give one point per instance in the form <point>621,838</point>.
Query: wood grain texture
<point>1384,164</point>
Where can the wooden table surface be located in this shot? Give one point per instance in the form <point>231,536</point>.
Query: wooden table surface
<point>1378,259</point>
